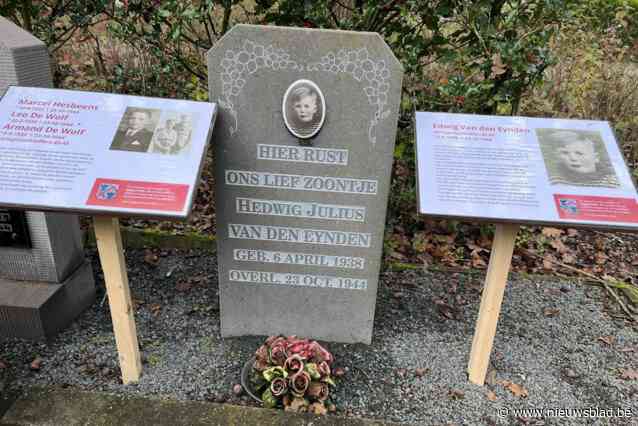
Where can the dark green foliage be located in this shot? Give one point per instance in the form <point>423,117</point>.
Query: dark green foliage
<point>55,22</point>
<point>495,49</point>
<point>480,56</point>
<point>487,53</point>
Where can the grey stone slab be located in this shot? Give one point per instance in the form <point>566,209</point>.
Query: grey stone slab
<point>300,221</point>
<point>71,407</point>
<point>38,310</point>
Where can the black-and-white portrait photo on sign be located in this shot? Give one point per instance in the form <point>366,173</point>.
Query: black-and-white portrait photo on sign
<point>304,109</point>
<point>576,157</point>
<point>173,135</point>
<point>135,130</point>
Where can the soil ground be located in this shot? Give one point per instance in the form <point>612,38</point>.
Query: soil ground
<point>559,344</point>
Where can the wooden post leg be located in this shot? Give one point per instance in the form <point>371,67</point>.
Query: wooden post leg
<point>497,271</point>
<point>109,245</point>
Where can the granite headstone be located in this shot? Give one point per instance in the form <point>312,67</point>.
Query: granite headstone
<point>304,144</point>
<point>45,282</point>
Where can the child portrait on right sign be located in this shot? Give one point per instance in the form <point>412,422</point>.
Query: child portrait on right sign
<point>576,157</point>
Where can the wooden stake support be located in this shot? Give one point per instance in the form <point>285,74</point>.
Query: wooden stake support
<point>497,272</point>
<point>109,245</point>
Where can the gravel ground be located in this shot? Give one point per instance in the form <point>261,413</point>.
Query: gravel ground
<point>548,342</point>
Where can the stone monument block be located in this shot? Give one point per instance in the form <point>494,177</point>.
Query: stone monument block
<point>44,280</point>
<point>304,143</point>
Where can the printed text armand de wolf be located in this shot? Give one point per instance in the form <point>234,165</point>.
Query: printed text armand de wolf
<point>590,412</point>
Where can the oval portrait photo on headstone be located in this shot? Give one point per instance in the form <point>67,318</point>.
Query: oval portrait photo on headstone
<point>304,109</point>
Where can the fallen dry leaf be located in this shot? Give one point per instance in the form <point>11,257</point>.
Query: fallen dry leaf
<point>609,340</point>
<point>297,405</point>
<point>552,232</point>
<point>559,246</point>
<point>599,243</point>
<point>498,67</point>
<point>551,312</point>
<point>516,389</point>
<point>183,286</point>
<point>155,308</point>
<point>36,364</point>
<point>553,291</point>
<point>3,365</point>
<point>475,248</point>
<point>569,372</point>
<point>151,258</point>
<point>548,262</point>
<point>420,372</point>
<point>601,258</point>
<point>477,261</point>
<point>491,396</point>
<point>137,302</point>
<point>628,374</point>
<point>456,394</point>
<point>317,408</point>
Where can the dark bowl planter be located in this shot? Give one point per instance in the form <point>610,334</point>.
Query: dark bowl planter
<point>245,379</point>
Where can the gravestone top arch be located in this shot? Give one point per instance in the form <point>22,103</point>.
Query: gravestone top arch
<point>304,146</point>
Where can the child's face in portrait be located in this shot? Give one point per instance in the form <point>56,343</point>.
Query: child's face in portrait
<point>306,108</point>
<point>579,156</point>
<point>165,141</point>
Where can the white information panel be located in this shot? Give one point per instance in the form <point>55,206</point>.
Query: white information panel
<point>518,169</point>
<point>101,153</point>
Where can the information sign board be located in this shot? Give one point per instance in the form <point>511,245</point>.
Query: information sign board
<point>523,170</point>
<point>99,153</point>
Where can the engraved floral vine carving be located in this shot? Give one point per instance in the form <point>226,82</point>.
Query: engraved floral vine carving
<point>238,65</point>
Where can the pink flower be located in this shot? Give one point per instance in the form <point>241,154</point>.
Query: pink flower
<point>278,341</point>
<point>320,354</point>
<point>324,368</point>
<point>260,365</point>
<point>270,339</point>
<point>298,346</point>
<point>299,383</point>
<point>278,386</point>
<point>278,354</point>
<point>262,353</point>
<point>294,364</point>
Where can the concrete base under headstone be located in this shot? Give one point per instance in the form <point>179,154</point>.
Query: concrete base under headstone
<point>38,310</point>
